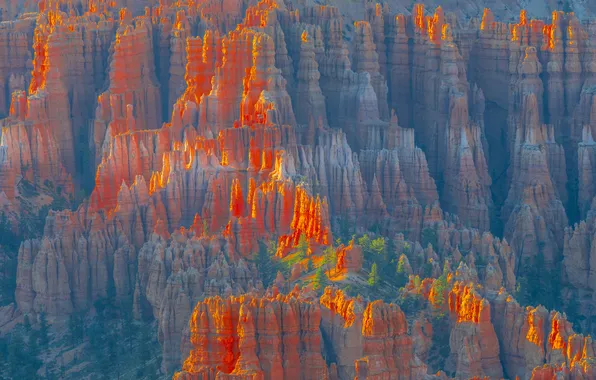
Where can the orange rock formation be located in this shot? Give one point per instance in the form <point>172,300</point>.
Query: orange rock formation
<point>203,128</point>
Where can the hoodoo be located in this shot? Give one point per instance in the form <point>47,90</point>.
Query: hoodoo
<point>278,189</point>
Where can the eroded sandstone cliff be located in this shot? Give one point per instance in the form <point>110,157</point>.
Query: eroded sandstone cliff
<point>204,130</point>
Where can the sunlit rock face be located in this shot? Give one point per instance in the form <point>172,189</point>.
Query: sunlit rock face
<point>190,134</point>
<point>279,335</point>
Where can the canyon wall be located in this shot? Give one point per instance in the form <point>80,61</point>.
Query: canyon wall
<point>201,130</point>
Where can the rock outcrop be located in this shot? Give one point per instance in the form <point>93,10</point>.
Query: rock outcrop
<point>283,335</point>
<point>254,337</point>
<point>532,337</point>
<point>349,259</point>
<point>473,342</point>
<point>132,101</point>
<point>16,41</point>
<point>215,127</point>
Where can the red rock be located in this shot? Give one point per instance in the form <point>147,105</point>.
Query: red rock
<point>369,341</point>
<point>531,337</point>
<point>398,68</point>
<point>31,149</point>
<point>422,338</point>
<point>286,328</point>
<point>15,40</point>
<point>349,258</point>
<point>473,342</point>
<point>530,198</point>
<point>241,161</point>
<point>309,100</point>
<point>366,59</point>
<point>133,93</point>
<point>376,19</point>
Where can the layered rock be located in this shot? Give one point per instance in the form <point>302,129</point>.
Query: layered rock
<point>248,156</point>
<point>466,190</point>
<point>368,340</point>
<point>451,135</point>
<point>251,337</point>
<point>174,274</point>
<point>349,259</point>
<point>366,59</point>
<point>133,91</point>
<point>76,50</point>
<point>276,207</point>
<point>30,150</point>
<point>584,121</point>
<point>335,171</point>
<point>390,193</point>
<point>398,71</point>
<point>473,342</point>
<point>531,337</point>
<point>309,102</point>
<point>16,38</point>
<point>578,261</point>
<point>534,212</point>
<point>336,62</point>
<point>69,58</point>
<point>286,333</point>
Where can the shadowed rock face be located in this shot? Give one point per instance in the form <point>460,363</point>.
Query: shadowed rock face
<point>203,129</point>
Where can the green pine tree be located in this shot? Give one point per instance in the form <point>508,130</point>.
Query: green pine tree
<point>377,248</point>
<point>76,328</point>
<point>330,259</point>
<point>439,286</point>
<point>302,247</point>
<point>390,250</point>
<point>373,276</point>
<point>205,228</point>
<point>27,324</point>
<point>573,313</point>
<point>365,242</point>
<point>344,231</point>
<point>522,294</point>
<point>320,279</point>
<point>265,264</point>
<point>44,338</point>
<point>427,269</point>
<point>113,356</point>
<point>144,348</point>
<point>429,236</point>
<point>51,371</point>
<point>20,359</point>
<point>130,329</point>
<point>407,249</point>
<point>16,355</point>
<point>401,277</point>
